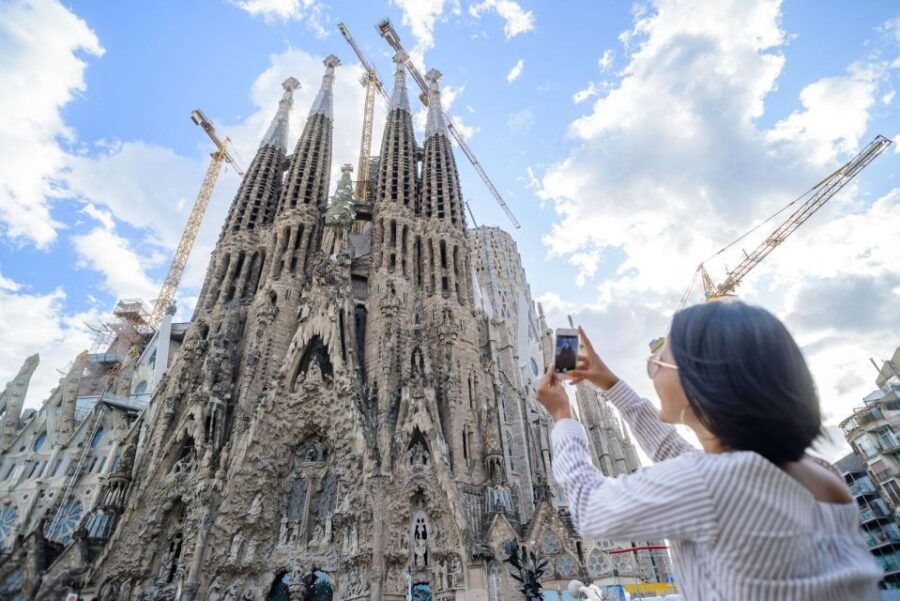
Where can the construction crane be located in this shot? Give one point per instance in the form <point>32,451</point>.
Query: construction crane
<point>372,84</point>
<point>818,195</point>
<point>220,156</point>
<point>390,35</point>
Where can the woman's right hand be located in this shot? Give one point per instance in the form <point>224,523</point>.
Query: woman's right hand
<point>591,367</point>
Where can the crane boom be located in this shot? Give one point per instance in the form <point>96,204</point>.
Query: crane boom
<point>372,83</point>
<point>821,193</point>
<point>183,250</point>
<point>390,35</point>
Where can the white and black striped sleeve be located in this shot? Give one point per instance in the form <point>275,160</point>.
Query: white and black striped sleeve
<point>668,500</point>
<point>660,441</point>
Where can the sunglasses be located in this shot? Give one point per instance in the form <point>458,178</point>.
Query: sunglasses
<point>654,365</point>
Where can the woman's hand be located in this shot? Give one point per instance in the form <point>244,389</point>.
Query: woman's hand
<point>552,395</point>
<point>591,367</point>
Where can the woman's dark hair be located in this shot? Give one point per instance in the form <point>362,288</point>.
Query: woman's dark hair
<point>745,379</point>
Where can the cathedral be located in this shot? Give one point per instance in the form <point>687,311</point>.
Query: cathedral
<point>349,414</point>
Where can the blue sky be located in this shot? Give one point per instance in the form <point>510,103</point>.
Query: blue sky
<point>635,139</point>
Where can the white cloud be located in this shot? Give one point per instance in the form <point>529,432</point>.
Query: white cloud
<point>41,72</point>
<point>420,16</point>
<point>517,19</point>
<point>606,60</point>
<point>581,95</point>
<point>835,114</point>
<point>312,12</point>
<point>520,121</point>
<point>108,253</point>
<point>670,165</point>
<point>516,71</point>
<point>30,322</point>
<point>888,97</point>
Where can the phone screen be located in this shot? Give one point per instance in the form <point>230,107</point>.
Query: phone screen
<point>566,352</point>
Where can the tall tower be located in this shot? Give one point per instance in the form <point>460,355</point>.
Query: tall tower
<point>240,253</point>
<point>292,241</point>
<point>394,298</point>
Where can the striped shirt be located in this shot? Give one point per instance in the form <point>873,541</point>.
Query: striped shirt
<point>740,528</point>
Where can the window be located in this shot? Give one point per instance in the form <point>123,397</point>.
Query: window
<point>7,521</point>
<point>886,439</point>
<point>141,388</point>
<point>56,467</point>
<point>893,491</point>
<point>98,436</point>
<point>61,528</point>
<point>867,446</point>
<point>39,441</point>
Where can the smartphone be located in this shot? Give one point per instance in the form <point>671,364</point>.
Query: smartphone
<point>566,349</point>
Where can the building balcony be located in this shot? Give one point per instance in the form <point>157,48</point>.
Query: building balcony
<point>862,487</point>
<point>884,474</point>
<point>875,512</point>
<point>878,538</point>
<point>889,563</point>
<point>889,447</point>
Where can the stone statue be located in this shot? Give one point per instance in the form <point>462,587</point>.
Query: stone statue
<point>455,576</point>
<point>234,553</point>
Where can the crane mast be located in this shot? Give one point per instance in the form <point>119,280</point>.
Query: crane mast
<point>372,84</point>
<point>183,251</point>
<point>390,35</point>
<point>821,193</point>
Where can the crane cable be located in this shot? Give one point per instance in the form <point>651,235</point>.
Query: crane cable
<point>687,293</point>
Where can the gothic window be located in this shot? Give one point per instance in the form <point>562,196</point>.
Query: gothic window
<point>39,441</point>
<point>64,523</point>
<point>565,566</point>
<point>12,466</point>
<point>98,436</point>
<point>297,499</point>
<point>322,507</point>
<point>550,544</point>
<point>7,522</point>
<point>597,563</point>
<point>141,387</point>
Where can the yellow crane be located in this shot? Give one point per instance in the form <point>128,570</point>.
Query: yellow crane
<point>179,260</point>
<point>372,84</point>
<point>816,197</point>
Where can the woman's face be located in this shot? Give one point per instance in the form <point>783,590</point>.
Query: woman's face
<point>668,387</point>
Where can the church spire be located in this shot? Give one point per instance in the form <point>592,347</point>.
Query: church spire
<point>310,169</point>
<point>441,197</point>
<point>400,98</point>
<point>324,102</point>
<point>277,133</point>
<point>436,123</point>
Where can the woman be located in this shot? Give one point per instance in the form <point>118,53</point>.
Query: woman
<point>752,516</point>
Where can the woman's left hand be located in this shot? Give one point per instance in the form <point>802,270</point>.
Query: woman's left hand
<point>552,395</point>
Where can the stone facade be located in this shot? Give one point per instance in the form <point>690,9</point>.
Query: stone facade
<point>351,411</point>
